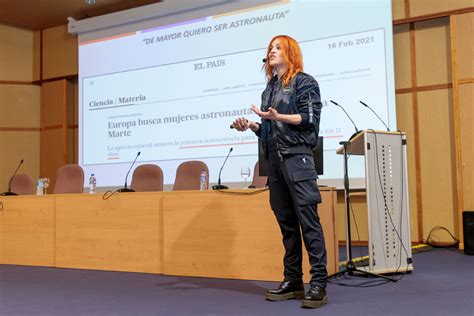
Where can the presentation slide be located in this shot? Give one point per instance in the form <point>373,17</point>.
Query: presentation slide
<point>171,92</point>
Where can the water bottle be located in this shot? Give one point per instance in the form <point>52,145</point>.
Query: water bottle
<point>39,186</point>
<point>203,180</point>
<point>92,184</point>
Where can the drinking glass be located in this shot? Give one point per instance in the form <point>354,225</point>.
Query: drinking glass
<point>45,185</point>
<point>245,173</point>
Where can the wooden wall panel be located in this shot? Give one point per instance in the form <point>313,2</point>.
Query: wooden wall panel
<point>423,7</point>
<point>71,150</point>
<point>76,145</point>
<point>16,54</point>
<point>70,100</point>
<point>466,97</point>
<point>75,86</point>
<point>70,114</point>
<point>53,150</point>
<point>405,123</point>
<point>59,53</point>
<point>37,55</point>
<point>401,47</point>
<point>465,44</point>
<point>433,52</point>
<point>398,9</point>
<point>52,103</point>
<point>19,145</point>
<point>57,142</point>
<point>52,143</point>
<point>27,230</point>
<point>19,106</point>
<point>437,159</point>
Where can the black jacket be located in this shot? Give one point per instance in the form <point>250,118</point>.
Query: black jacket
<point>301,96</point>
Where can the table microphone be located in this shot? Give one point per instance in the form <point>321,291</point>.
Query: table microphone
<point>388,129</point>
<point>125,189</point>
<point>219,186</point>
<point>9,192</point>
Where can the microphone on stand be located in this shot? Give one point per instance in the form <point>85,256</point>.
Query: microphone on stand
<point>355,127</point>
<point>388,129</point>
<point>125,189</point>
<point>9,192</point>
<point>219,186</point>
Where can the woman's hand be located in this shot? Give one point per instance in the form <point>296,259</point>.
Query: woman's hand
<point>271,114</point>
<point>241,124</point>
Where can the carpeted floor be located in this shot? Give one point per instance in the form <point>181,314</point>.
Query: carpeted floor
<point>441,284</point>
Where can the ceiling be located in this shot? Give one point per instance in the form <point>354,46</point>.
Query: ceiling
<point>43,14</point>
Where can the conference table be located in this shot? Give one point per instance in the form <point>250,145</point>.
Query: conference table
<point>231,234</point>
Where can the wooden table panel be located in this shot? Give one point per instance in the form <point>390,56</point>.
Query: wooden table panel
<point>119,234</point>
<point>213,234</point>
<point>27,230</point>
<point>191,233</point>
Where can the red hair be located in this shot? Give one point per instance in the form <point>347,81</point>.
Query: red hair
<point>291,53</point>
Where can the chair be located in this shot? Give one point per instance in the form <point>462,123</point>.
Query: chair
<point>21,184</point>
<point>70,179</point>
<point>188,175</point>
<point>147,177</point>
<point>258,181</point>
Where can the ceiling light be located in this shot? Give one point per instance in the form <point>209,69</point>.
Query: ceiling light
<point>89,1</point>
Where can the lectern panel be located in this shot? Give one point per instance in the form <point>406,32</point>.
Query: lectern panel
<point>387,202</point>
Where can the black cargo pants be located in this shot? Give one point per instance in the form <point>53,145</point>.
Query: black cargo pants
<point>293,197</point>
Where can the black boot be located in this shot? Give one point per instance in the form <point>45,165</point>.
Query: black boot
<point>286,291</point>
<point>316,297</point>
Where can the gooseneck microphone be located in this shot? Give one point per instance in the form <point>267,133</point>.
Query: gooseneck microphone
<point>125,189</point>
<point>388,129</point>
<point>9,192</point>
<point>355,127</point>
<point>219,186</point>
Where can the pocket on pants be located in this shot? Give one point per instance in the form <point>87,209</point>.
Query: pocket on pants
<point>306,189</point>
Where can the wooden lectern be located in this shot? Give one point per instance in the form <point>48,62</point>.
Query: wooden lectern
<point>387,199</point>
